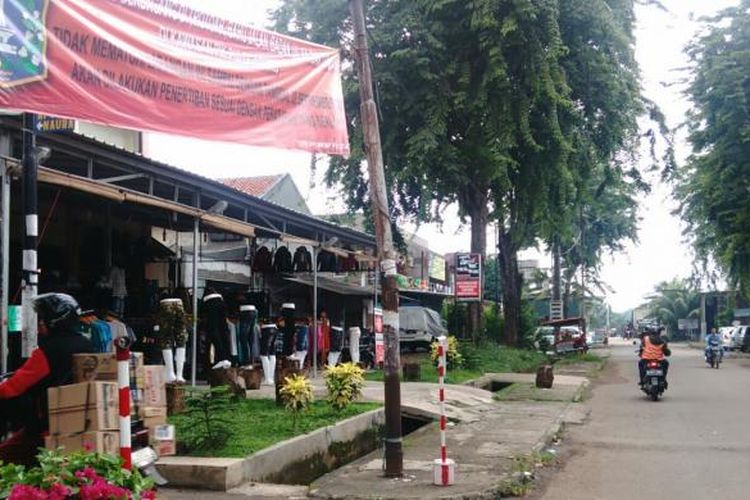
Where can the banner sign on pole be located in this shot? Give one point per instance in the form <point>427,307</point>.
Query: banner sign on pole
<point>468,278</point>
<point>162,66</point>
<point>46,123</point>
<point>379,340</point>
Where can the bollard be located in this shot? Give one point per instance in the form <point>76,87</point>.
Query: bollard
<point>444,469</point>
<point>122,347</point>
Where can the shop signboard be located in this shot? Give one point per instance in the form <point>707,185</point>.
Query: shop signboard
<point>437,267</point>
<point>379,340</point>
<point>46,123</point>
<point>468,277</point>
<point>167,67</point>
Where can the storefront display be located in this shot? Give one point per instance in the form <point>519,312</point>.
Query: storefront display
<point>287,328</point>
<point>337,345</point>
<point>268,334</point>
<point>172,334</point>
<point>217,332</point>
<point>354,334</point>
<point>248,335</point>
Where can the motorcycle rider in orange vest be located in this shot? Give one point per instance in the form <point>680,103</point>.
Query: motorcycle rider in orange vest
<point>653,348</point>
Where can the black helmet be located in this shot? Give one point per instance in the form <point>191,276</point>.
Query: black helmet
<point>57,310</point>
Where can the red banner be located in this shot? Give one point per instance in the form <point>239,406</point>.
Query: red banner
<point>159,65</point>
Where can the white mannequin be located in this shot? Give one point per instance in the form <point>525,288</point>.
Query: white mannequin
<point>333,356</point>
<point>354,334</point>
<point>174,363</point>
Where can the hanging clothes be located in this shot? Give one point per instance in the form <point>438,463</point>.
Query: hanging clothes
<point>248,335</point>
<point>268,334</point>
<point>287,315</point>
<point>303,338</point>
<point>262,263</point>
<point>172,322</point>
<point>302,260</point>
<point>337,339</point>
<point>101,336</point>
<point>327,262</point>
<point>282,261</point>
<point>215,323</point>
<point>233,344</point>
<point>349,264</point>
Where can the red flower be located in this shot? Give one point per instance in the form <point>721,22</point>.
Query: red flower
<point>87,446</point>
<point>58,492</point>
<point>148,495</point>
<point>26,492</point>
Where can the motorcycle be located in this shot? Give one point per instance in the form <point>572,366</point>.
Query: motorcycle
<point>714,356</point>
<point>654,381</point>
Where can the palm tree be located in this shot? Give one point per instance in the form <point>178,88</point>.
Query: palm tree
<point>672,301</point>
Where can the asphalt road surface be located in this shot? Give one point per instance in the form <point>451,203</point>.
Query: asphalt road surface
<point>692,444</point>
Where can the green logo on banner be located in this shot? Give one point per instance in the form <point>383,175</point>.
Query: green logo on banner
<point>23,41</point>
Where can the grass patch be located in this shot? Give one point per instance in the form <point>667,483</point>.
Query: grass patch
<point>258,423</point>
<point>573,359</point>
<point>486,358</point>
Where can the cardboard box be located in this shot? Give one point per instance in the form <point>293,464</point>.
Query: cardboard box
<point>152,411</point>
<point>100,442</point>
<point>151,423</point>
<point>77,408</point>
<point>103,366</point>
<point>165,447</point>
<point>155,386</point>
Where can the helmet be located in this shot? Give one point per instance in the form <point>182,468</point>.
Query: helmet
<point>57,310</point>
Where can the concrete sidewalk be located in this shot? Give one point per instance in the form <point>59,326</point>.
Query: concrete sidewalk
<point>484,436</point>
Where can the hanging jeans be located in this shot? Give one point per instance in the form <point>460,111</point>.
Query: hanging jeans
<point>246,328</point>
<point>217,330</point>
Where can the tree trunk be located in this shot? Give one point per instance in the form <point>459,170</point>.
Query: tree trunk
<point>479,212</point>
<point>511,288</point>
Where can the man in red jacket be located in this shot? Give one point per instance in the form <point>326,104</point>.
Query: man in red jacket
<point>23,396</point>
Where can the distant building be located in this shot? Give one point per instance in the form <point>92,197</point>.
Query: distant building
<point>279,189</point>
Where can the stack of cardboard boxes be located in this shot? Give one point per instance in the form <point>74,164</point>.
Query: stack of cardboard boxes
<point>86,414</point>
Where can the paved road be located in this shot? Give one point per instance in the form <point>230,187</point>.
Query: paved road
<point>693,444</point>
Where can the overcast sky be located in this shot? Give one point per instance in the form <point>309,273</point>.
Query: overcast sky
<point>660,255</point>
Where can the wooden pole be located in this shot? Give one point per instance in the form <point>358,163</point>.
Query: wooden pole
<point>386,255</point>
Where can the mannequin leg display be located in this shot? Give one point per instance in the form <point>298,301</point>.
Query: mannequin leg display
<point>264,362</point>
<point>179,360</point>
<point>333,358</point>
<point>271,370</point>
<point>169,365</point>
<point>301,356</point>
<point>354,334</point>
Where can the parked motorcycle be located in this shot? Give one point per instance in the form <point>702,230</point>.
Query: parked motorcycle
<point>714,356</point>
<point>654,382</point>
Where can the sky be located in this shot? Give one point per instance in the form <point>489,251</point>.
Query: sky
<point>660,254</point>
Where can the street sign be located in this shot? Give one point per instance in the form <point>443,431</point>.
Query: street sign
<point>468,277</point>
<point>555,309</point>
<point>46,123</point>
<point>687,324</point>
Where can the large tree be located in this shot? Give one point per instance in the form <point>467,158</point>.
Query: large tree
<point>672,301</point>
<point>714,186</point>
<point>505,107</point>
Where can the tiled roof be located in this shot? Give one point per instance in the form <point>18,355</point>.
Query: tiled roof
<point>254,186</point>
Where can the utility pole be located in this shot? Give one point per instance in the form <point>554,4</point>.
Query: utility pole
<point>378,196</point>
<point>30,268</point>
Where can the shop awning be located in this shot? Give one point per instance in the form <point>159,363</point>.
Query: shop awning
<point>332,285</point>
<point>122,195</point>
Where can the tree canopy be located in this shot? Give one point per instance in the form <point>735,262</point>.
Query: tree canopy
<point>520,111</point>
<point>714,186</point>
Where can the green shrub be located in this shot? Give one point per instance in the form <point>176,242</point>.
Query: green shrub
<point>203,425</point>
<point>494,324</point>
<point>297,394</point>
<point>452,357</point>
<point>344,383</point>
<point>471,358</point>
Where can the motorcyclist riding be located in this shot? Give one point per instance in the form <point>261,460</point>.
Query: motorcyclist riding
<point>23,397</point>
<point>713,339</point>
<point>653,348</point>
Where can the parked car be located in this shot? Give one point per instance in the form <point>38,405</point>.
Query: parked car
<point>741,339</point>
<point>727,337</point>
<point>419,326</point>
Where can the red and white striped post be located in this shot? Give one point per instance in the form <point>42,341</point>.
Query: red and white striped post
<point>122,347</point>
<point>444,469</point>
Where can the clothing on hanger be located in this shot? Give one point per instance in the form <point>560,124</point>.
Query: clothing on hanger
<point>262,263</point>
<point>282,260</point>
<point>302,260</point>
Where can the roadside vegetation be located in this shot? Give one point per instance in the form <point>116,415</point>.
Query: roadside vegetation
<point>254,424</point>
